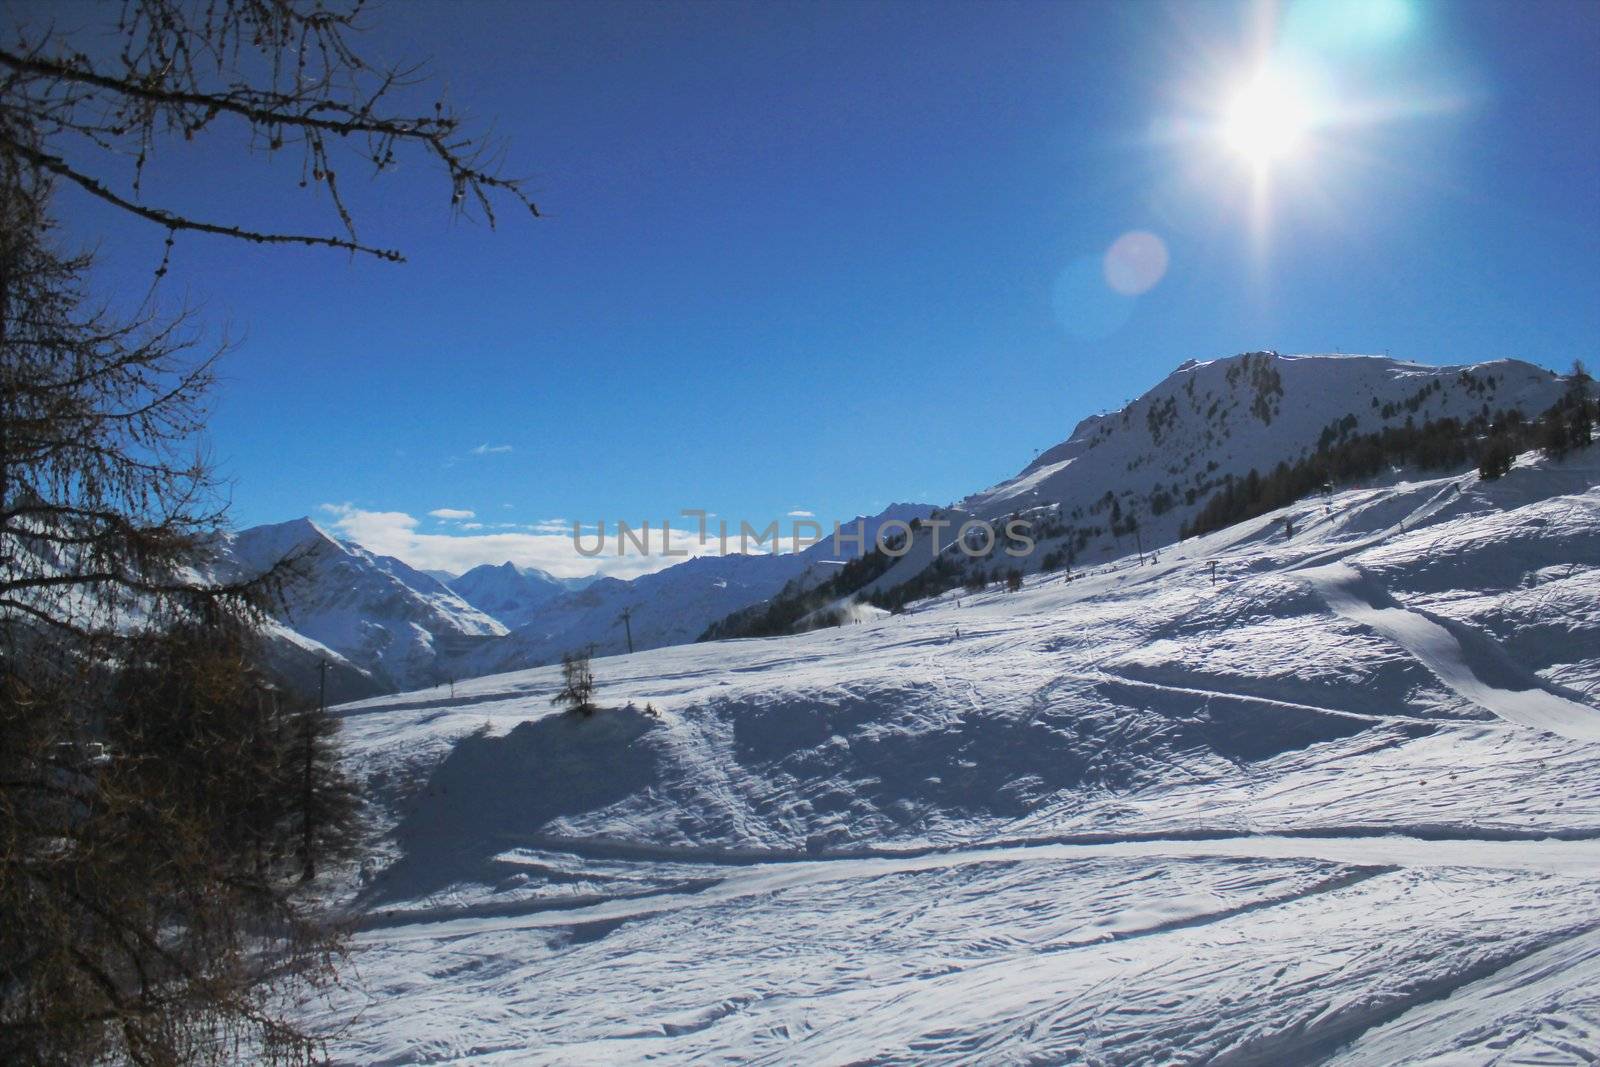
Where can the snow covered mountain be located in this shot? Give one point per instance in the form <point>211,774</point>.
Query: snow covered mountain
<point>1135,478</point>
<point>1130,478</point>
<point>382,624</point>
<point>510,593</point>
<point>1317,787</point>
<point>671,606</point>
<point>1159,458</point>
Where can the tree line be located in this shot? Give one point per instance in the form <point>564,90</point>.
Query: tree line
<point>1491,442</point>
<point>781,613</point>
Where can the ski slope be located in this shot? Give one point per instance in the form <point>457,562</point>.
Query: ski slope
<point>1339,806</point>
<point>1473,667</point>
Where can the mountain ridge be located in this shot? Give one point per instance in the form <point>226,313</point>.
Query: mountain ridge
<point>1120,479</point>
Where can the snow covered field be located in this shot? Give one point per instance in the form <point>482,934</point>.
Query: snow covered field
<point>1340,806</point>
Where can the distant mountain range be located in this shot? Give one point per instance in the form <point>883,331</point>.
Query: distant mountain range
<point>383,626</point>
<point>514,595</point>
<point>1132,478</point>
<point>1132,475</point>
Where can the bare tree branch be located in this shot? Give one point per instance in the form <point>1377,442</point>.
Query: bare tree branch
<point>284,69</point>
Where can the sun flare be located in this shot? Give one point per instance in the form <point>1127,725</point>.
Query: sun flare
<point>1267,121</point>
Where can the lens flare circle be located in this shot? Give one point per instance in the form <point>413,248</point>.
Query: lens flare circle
<point>1135,263</point>
<point>1085,306</point>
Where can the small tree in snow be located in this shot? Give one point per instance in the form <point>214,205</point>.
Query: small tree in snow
<point>1580,431</point>
<point>1498,456</point>
<point>577,683</point>
<point>1555,438</point>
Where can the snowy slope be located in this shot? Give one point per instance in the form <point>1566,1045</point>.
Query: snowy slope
<point>389,624</point>
<point>1338,806</point>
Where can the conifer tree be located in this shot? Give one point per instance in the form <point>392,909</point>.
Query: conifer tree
<point>577,683</point>
<point>156,814</point>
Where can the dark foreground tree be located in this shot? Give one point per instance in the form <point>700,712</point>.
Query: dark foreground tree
<point>103,501</point>
<point>323,803</point>
<point>1580,406</point>
<point>152,800</point>
<point>160,803</point>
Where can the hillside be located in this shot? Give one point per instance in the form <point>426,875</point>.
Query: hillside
<point>1120,481</point>
<point>672,606</point>
<point>1159,458</point>
<point>382,624</point>
<point>1137,479</point>
<point>1343,797</point>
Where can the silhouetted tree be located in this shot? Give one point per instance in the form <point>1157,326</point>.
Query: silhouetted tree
<point>155,810</point>
<point>324,803</point>
<point>148,853</point>
<point>285,73</point>
<point>1580,428</point>
<point>577,683</point>
<point>1498,455</point>
<point>1555,434</point>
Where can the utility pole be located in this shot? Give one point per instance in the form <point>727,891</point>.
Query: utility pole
<point>627,625</point>
<point>1213,572</point>
<point>1138,539</point>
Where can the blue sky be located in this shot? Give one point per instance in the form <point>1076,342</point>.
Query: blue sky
<point>828,256</point>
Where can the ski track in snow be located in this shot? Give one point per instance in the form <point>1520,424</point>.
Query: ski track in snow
<point>1135,818</point>
<point>1571,858</point>
<point>1355,596</point>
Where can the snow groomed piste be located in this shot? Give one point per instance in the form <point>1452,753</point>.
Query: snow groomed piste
<point>1339,807</point>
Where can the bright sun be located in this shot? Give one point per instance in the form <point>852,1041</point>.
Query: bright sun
<point>1267,121</point>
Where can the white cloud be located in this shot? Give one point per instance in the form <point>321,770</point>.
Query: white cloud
<point>802,513</point>
<point>454,514</point>
<point>380,531</point>
<point>547,546</point>
<point>486,449</point>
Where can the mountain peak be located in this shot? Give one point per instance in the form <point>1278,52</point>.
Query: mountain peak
<point>303,528</point>
<point>260,547</point>
<point>1163,454</point>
